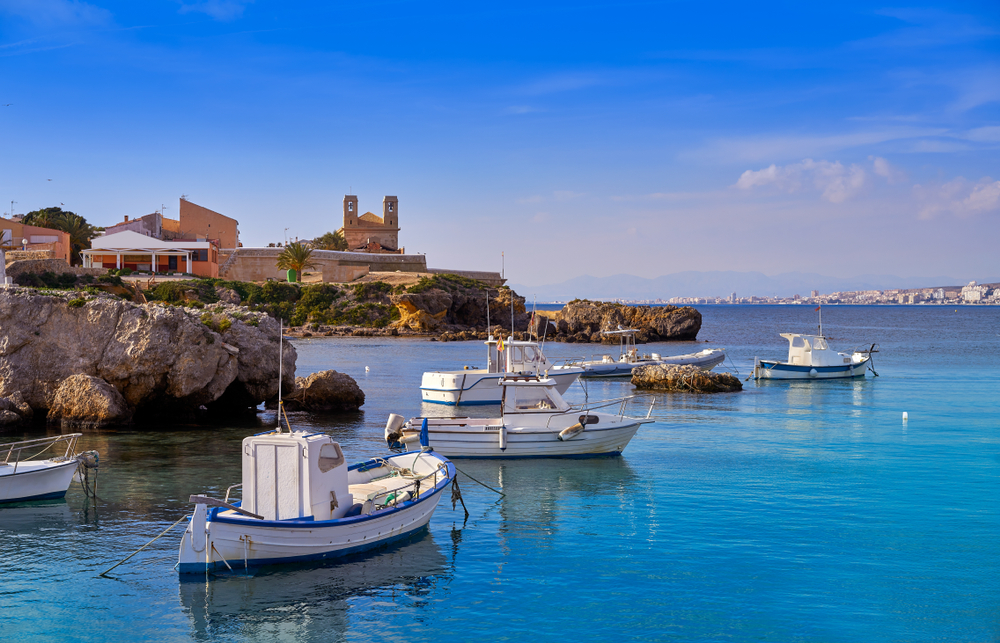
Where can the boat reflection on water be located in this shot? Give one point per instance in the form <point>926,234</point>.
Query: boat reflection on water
<point>34,516</point>
<point>306,602</point>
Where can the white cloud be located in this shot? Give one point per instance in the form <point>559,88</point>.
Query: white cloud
<point>55,12</point>
<point>959,196</point>
<point>835,181</point>
<point>886,170</point>
<point>990,134</point>
<point>218,9</point>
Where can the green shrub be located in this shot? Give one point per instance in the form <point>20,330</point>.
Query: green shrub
<point>113,280</point>
<point>76,303</point>
<point>366,291</point>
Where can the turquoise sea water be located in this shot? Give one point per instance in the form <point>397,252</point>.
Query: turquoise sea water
<point>788,512</point>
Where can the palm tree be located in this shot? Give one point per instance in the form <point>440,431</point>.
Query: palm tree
<point>80,232</point>
<point>295,257</point>
<point>330,241</point>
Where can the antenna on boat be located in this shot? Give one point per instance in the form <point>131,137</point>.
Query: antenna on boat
<point>820,310</point>
<point>281,355</point>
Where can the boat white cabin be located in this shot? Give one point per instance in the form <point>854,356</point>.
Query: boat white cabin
<point>302,501</point>
<point>24,477</point>
<point>481,386</point>
<point>629,358</point>
<point>810,357</point>
<point>535,421</point>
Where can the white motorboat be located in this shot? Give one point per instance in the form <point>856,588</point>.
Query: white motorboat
<point>809,358</point>
<point>629,358</point>
<point>23,476</point>
<point>302,501</point>
<point>480,386</point>
<point>535,421</point>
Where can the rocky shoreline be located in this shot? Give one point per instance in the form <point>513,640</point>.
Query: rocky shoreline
<point>87,360</point>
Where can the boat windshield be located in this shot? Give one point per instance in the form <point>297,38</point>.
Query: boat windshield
<point>532,398</point>
<point>819,344</point>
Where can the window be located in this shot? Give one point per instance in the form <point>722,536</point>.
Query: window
<point>350,206</point>
<point>820,344</point>
<point>532,399</point>
<point>390,206</point>
<point>199,255</point>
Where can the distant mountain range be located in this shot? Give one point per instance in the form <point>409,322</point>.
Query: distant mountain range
<point>720,284</point>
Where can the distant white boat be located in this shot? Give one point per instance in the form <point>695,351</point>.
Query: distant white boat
<point>629,358</point>
<point>535,422</point>
<point>481,386</point>
<point>24,477</point>
<point>302,501</point>
<point>810,357</point>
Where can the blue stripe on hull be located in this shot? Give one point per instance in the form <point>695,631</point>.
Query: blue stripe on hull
<point>569,456</point>
<point>55,495</point>
<point>201,568</point>
<point>474,403</point>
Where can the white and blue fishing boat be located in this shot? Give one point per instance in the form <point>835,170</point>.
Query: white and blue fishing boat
<point>302,501</point>
<point>535,422</point>
<point>811,358</point>
<point>504,358</point>
<point>26,476</point>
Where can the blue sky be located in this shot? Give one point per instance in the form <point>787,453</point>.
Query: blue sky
<point>579,138</point>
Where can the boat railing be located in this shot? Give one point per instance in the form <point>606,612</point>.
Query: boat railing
<point>229,490</point>
<point>414,483</point>
<point>37,447</point>
<point>590,406</point>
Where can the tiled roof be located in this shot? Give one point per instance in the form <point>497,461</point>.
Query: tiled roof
<point>372,218</point>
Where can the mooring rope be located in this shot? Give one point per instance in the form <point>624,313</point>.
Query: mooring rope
<point>144,546</point>
<point>502,494</point>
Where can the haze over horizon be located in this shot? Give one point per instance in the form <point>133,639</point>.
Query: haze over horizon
<point>649,138</point>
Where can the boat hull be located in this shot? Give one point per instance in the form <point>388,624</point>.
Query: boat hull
<point>485,441</point>
<point>471,388</point>
<point>36,480</point>
<point>223,539</point>
<point>705,360</point>
<point>768,370</point>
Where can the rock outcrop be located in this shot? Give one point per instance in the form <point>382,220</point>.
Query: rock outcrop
<point>457,307</point>
<point>325,391</point>
<point>583,320</point>
<point>685,379</point>
<point>14,410</point>
<point>85,401</point>
<point>165,361</point>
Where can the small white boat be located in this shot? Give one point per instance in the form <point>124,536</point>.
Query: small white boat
<point>535,422</point>
<point>811,358</point>
<point>629,358</point>
<point>302,501</point>
<point>24,477</point>
<point>503,359</point>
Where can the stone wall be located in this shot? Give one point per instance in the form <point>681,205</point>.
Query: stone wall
<point>490,278</point>
<point>259,264</point>
<point>39,266</point>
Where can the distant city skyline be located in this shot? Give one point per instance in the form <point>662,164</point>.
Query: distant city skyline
<point>596,139</point>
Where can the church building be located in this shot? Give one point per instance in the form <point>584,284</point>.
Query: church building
<point>369,232</point>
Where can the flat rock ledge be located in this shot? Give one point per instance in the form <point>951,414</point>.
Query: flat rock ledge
<point>684,379</point>
<point>325,392</point>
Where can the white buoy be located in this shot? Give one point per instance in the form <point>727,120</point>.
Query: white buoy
<point>367,369</point>
<point>906,416</point>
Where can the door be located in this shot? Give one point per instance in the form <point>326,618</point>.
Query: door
<point>172,263</point>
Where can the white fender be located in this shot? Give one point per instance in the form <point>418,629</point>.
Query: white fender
<point>813,372</point>
<point>393,428</point>
<point>502,434</point>
<point>571,432</point>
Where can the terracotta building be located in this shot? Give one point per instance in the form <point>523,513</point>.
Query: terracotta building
<point>136,251</point>
<point>14,235</point>
<point>369,232</point>
<point>193,223</point>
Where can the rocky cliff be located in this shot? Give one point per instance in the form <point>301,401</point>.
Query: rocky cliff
<point>165,362</point>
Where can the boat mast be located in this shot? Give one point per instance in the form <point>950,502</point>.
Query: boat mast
<point>281,346</point>
<point>820,309</point>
